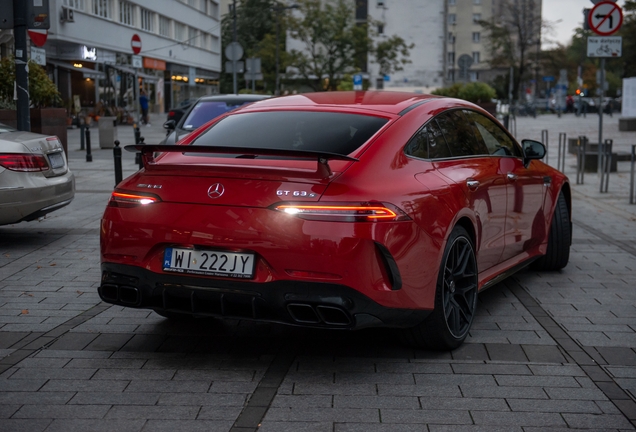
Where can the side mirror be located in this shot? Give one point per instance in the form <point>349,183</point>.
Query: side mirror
<point>532,150</point>
<point>170,125</point>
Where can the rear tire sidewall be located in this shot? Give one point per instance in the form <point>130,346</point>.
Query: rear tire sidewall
<point>451,341</point>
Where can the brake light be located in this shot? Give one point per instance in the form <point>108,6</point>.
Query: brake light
<point>23,162</point>
<point>343,212</point>
<point>127,200</point>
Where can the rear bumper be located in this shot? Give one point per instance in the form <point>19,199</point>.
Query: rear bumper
<point>300,303</point>
<point>35,197</point>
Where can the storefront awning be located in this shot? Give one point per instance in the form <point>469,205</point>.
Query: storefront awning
<point>132,71</point>
<point>88,73</point>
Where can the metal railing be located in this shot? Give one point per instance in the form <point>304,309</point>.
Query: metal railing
<point>606,164</point>
<point>563,145</point>
<point>580,159</point>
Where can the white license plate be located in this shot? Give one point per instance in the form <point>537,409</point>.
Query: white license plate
<point>209,263</point>
<point>57,160</point>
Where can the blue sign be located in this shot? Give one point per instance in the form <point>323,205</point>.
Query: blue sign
<point>357,79</point>
<point>548,78</point>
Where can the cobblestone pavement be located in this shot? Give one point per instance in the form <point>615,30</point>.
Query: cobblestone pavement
<point>548,351</point>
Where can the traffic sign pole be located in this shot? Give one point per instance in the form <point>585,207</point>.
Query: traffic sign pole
<point>21,69</point>
<point>600,116</point>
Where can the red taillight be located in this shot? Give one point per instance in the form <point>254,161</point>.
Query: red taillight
<point>23,162</point>
<point>123,199</point>
<point>171,114</point>
<point>343,212</point>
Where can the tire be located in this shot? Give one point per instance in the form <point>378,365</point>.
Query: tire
<point>448,325</point>
<point>559,239</point>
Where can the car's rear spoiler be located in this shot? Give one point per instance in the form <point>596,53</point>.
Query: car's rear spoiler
<point>323,158</point>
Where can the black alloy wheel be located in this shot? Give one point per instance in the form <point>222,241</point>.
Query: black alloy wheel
<point>459,289</point>
<point>448,325</point>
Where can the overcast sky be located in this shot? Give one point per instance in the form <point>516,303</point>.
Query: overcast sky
<point>570,12</point>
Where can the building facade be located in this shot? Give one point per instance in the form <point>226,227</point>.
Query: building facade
<point>420,23</point>
<point>91,43</point>
<point>466,49</point>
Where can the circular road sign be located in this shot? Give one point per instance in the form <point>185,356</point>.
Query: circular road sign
<point>605,18</point>
<point>234,51</point>
<point>38,37</point>
<point>135,44</point>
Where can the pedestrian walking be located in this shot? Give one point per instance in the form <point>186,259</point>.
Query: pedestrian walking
<point>143,102</point>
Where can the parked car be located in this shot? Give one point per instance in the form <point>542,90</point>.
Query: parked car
<point>204,110</point>
<point>341,210</point>
<point>177,112</point>
<point>34,176</point>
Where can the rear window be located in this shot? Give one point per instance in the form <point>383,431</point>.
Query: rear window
<point>293,130</point>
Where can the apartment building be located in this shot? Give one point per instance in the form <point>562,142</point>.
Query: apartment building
<point>466,38</point>
<point>420,23</point>
<point>89,50</point>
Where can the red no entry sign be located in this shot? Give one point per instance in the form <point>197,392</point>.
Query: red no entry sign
<point>38,37</point>
<point>135,43</point>
<point>605,18</point>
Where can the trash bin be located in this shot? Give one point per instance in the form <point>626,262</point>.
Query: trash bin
<point>107,132</point>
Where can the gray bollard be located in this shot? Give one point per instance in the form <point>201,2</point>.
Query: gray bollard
<point>141,159</point>
<point>89,155</point>
<point>82,138</point>
<point>580,160</point>
<point>117,157</point>
<point>631,177</point>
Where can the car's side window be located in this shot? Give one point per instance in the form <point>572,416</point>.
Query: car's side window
<point>428,143</point>
<point>496,140</point>
<point>459,134</point>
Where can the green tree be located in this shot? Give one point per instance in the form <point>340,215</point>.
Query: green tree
<point>511,36</point>
<point>256,32</point>
<point>42,91</point>
<point>628,31</point>
<point>334,44</point>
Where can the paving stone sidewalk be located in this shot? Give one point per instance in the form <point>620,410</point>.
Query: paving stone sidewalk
<point>548,351</point>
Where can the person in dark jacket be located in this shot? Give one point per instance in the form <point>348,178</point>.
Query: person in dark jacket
<point>143,102</point>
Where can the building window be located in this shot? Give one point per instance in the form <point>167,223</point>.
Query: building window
<point>102,8</point>
<point>450,75</point>
<point>179,31</point>
<point>473,76</point>
<point>477,2</point>
<point>380,28</point>
<point>476,18</point>
<point>147,20</point>
<point>451,2</point>
<point>476,37</point>
<point>74,4</point>
<point>126,13</point>
<point>191,3</point>
<point>451,58</point>
<point>213,10</point>
<point>476,57</point>
<point>452,19</point>
<point>451,38</point>
<point>193,36</point>
<point>164,26</point>
<point>216,43</point>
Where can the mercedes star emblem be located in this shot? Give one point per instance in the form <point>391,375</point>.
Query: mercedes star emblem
<point>216,190</point>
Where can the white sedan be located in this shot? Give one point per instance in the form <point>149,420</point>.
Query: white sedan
<point>34,176</point>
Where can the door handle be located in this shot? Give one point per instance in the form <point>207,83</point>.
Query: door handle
<point>512,177</point>
<point>472,184</point>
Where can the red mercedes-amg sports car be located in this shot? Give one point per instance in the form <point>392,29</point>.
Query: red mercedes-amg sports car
<point>340,210</point>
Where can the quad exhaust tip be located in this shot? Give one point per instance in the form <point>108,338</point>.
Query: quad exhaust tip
<point>318,314</point>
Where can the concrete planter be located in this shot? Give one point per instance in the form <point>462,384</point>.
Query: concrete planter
<point>47,121</point>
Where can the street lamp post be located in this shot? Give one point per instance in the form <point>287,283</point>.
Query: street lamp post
<point>278,10</point>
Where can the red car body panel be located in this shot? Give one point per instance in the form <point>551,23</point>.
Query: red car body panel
<point>509,213</point>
